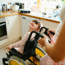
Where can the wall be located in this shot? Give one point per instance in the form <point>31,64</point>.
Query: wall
<point>6,1</point>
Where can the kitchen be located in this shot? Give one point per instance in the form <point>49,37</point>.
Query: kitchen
<point>14,25</point>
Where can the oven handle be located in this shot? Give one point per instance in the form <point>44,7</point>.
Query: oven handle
<point>2,24</point>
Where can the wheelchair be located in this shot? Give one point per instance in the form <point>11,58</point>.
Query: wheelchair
<point>32,51</point>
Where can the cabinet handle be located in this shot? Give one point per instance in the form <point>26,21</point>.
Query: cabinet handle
<point>2,24</point>
<point>23,17</point>
<point>8,21</point>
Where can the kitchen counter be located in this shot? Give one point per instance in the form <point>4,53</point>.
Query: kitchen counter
<point>35,15</point>
<point>5,14</point>
<point>40,16</point>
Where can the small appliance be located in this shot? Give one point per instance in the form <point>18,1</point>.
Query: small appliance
<point>21,5</point>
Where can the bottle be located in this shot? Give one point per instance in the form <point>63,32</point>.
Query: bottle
<point>8,7</point>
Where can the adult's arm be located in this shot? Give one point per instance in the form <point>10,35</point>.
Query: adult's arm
<point>57,51</point>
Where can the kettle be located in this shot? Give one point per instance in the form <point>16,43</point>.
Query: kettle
<point>4,7</point>
<point>14,8</point>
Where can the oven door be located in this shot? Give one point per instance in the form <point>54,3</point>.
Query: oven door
<point>3,31</point>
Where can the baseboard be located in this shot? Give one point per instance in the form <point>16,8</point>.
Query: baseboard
<point>10,42</point>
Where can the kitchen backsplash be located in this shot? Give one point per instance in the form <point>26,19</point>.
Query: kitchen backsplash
<point>6,1</point>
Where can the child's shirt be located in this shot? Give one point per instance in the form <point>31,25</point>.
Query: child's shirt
<point>20,45</point>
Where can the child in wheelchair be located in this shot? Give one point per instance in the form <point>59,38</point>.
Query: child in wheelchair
<point>33,26</point>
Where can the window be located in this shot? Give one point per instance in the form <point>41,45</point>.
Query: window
<point>48,6</point>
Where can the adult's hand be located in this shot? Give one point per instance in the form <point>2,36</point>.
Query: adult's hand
<point>42,41</point>
<point>50,34</point>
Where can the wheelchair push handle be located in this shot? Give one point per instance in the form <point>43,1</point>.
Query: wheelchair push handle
<point>52,32</point>
<point>36,36</point>
<point>46,33</point>
<point>46,29</point>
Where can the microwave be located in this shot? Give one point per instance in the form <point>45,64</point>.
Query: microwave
<point>21,5</point>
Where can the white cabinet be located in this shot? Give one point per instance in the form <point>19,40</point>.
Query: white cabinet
<point>25,22</point>
<point>13,27</point>
<point>49,24</point>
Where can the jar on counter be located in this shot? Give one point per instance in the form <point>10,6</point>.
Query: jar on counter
<point>4,7</point>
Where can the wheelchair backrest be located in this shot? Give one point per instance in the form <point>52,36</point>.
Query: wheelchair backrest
<point>30,45</point>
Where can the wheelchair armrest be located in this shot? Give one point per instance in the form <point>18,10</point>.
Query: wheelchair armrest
<point>15,52</point>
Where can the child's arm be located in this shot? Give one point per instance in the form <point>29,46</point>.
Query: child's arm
<point>13,45</point>
<point>19,44</point>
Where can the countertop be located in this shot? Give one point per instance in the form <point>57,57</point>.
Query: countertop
<point>40,16</point>
<point>32,14</point>
<point>5,14</point>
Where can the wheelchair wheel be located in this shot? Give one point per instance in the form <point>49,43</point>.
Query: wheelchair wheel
<point>39,54</point>
<point>14,60</point>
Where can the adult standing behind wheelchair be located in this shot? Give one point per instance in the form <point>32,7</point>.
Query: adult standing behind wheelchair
<point>56,51</point>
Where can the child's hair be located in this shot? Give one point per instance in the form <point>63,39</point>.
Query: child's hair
<point>37,22</point>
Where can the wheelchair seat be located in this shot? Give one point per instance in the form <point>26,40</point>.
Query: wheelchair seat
<point>29,50</point>
<point>15,52</point>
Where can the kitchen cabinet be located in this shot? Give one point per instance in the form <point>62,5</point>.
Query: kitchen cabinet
<point>13,27</point>
<point>49,24</point>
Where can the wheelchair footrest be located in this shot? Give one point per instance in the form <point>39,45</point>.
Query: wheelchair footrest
<point>15,52</point>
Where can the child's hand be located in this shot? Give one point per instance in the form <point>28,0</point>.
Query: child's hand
<point>8,47</point>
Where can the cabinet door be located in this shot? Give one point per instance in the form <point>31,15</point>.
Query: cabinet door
<point>13,26</point>
<point>49,24</point>
<point>25,23</point>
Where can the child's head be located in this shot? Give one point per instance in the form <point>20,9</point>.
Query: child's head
<point>35,25</point>
<point>62,13</point>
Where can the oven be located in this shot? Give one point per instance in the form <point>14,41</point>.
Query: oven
<point>3,30</point>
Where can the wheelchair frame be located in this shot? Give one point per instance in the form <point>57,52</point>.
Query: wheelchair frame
<point>30,51</point>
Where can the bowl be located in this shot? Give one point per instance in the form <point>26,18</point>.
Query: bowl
<point>15,8</point>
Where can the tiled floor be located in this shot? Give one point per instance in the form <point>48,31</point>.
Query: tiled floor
<point>3,52</point>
